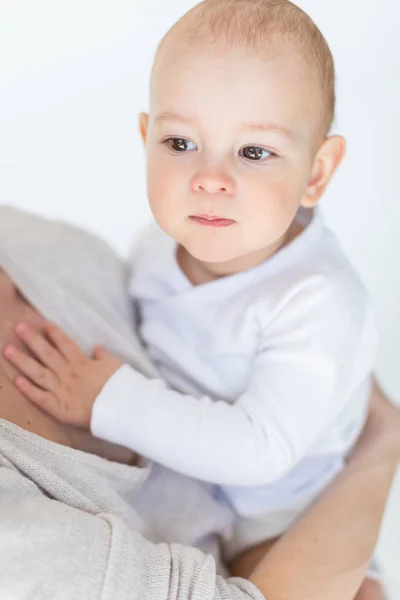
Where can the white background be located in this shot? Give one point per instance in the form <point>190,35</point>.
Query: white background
<point>74,76</point>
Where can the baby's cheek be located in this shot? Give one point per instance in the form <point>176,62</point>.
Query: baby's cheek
<point>169,199</point>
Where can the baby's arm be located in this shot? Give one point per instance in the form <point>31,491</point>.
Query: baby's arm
<point>295,391</point>
<point>298,386</point>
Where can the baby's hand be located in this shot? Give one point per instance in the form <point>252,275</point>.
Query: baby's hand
<point>60,379</point>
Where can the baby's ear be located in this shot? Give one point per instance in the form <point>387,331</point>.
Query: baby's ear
<point>143,124</point>
<point>326,161</point>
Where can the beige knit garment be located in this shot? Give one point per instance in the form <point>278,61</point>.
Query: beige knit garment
<point>75,526</point>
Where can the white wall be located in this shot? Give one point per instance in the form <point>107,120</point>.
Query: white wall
<point>73,77</point>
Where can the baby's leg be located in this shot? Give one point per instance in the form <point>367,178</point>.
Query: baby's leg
<point>370,590</point>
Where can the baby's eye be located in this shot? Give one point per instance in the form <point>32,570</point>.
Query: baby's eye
<point>180,144</point>
<point>254,153</point>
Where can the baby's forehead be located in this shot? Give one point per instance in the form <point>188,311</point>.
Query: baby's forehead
<point>242,85</point>
<point>266,28</point>
<point>178,54</point>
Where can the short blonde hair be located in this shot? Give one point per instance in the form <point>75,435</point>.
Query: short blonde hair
<point>266,26</point>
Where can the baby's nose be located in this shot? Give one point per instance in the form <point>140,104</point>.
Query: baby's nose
<point>213,182</point>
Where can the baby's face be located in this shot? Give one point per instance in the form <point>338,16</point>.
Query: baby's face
<point>229,137</point>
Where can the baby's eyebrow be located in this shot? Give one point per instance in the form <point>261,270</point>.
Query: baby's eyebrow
<point>273,127</point>
<point>269,127</point>
<point>169,116</point>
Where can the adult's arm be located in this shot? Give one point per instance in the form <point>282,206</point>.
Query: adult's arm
<point>49,548</point>
<point>326,554</point>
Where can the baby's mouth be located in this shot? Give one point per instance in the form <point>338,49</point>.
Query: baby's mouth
<point>211,220</point>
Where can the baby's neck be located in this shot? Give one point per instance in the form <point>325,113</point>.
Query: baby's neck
<point>199,272</point>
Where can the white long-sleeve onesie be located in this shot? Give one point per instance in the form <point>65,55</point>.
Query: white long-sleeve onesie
<point>264,374</point>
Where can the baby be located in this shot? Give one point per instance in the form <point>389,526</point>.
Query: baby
<point>261,333</point>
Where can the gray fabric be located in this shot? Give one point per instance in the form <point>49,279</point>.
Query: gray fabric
<point>74,279</point>
<point>72,525</point>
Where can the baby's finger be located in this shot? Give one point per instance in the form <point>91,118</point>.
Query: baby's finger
<point>46,400</point>
<point>38,374</point>
<point>41,348</point>
<point>68,348</point>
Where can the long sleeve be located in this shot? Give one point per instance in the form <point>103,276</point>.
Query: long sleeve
<point>49,549</point>
<point>309,360</point>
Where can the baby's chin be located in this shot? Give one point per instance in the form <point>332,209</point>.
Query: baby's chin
<point>213,253</point>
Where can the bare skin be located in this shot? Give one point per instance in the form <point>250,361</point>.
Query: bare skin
<point>370,590</point>
<point>245,564</point>
<point>17,409</point>
<point>347,516</point>
<point>209,174</point>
